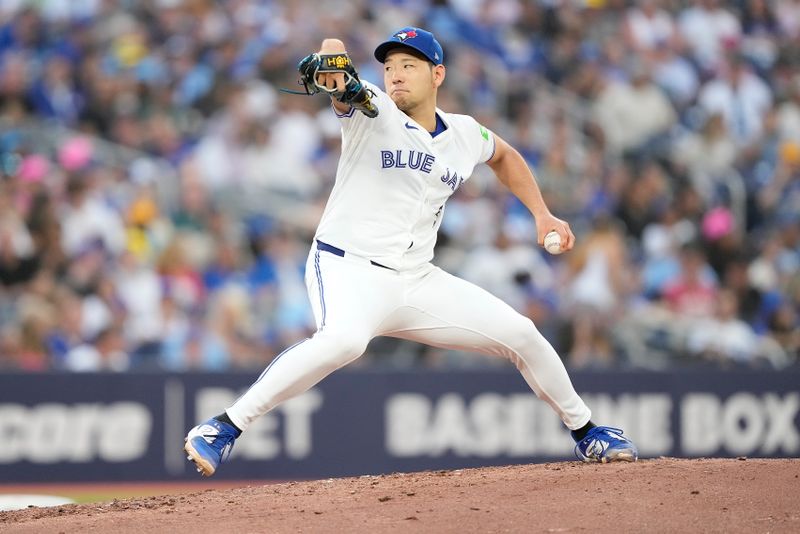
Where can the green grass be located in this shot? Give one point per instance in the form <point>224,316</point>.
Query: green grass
<point>97,492</point>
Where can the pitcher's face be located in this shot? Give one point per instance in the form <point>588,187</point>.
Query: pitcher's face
<point>410,80</point>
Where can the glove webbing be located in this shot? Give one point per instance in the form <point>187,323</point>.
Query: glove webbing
<point>355,93</point>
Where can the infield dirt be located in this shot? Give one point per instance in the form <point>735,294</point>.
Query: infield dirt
<point>658,495</point>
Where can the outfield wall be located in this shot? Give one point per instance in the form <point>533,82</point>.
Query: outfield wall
<point>130,427</point>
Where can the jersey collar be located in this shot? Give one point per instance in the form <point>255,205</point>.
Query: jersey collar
<point>441,127</point>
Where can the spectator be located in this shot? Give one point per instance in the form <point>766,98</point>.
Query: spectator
<point>787,12</point>
<point>140,292</point>
<point>503,266</point>
<point>18,261</point>
<point>741,97</point>
<point>634,117</point>
<point>724,337</point>
<point>55,95</point>
<point>643,198</point>
<point>693,292</point>
<point>87,220</point>
<point>784,327</point>
<point>709,29</point>
<point>675,75</point>
<point>662,240</point>
<point>106,352</point>
<point>758,26</point>
<point>648,27</point>
<point>789,114</point>
<point>707,157</point>
<point>599,282</point>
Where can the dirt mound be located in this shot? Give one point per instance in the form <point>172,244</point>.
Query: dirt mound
<point>660,495</point>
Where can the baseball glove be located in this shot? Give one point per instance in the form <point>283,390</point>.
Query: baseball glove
<point>355,93</point>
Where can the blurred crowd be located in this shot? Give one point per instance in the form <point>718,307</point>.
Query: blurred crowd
<point>666,132</point>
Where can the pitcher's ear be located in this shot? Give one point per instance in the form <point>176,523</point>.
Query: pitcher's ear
<point>439,73</point>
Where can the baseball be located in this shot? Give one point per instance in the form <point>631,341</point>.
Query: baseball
<point>552,243</point>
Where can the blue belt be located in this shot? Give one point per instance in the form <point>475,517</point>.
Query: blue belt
<point>339,252</point>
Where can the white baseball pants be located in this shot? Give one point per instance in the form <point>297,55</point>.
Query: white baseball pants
<point>354,301</point>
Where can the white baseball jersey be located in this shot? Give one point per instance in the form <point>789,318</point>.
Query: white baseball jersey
<point>393,180</point>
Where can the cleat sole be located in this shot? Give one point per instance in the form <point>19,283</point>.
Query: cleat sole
<point>618,457</point>
<point>203,467</point>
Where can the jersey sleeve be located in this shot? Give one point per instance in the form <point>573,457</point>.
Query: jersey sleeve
<point>480,139</point>
<point>354,119</point>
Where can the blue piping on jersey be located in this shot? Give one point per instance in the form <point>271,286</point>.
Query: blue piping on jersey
<point>346,114</point>
<point>494,148</point>
<point>263,373</point>
<point>321,289</point>
<point>278,357</point>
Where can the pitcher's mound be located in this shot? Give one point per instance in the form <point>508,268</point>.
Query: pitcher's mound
<point>661,495</point>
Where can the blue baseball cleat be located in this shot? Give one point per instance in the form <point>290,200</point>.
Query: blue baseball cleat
<point>209,444</point>
<point>605,444</point>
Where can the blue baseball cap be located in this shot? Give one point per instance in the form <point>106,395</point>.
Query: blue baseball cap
<point>420,40</point>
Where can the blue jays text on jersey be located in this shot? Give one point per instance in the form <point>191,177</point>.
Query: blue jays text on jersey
<point>413,159</point>
<point>452,179</point>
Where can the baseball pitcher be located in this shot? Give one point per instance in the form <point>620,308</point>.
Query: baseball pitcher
<point>369,271</point>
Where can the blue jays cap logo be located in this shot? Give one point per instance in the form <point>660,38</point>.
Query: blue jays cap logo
<point>403,35</point>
